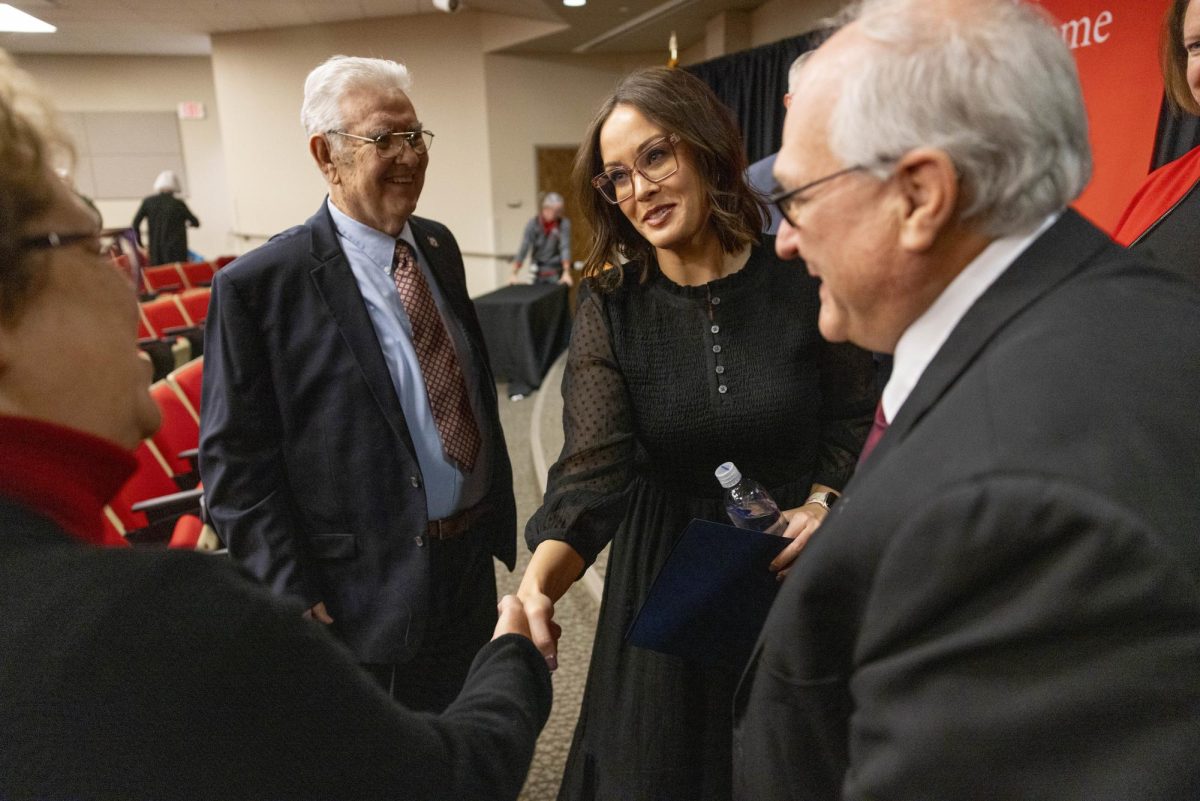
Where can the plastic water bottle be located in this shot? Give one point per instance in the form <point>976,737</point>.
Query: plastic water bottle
<point>748,504</point>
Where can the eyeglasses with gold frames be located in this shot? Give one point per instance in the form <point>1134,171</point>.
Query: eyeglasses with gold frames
<point>655,162</point>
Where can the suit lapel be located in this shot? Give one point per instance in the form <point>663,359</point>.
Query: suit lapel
<point>1064,249</point>
<point>339,291</point>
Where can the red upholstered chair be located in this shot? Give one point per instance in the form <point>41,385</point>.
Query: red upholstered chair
<point>186,382</point>
<point>221,261</point>
<point>178,438</point>
<point>148,508</point>
<point>166,317</point>
<point>164,278</point>
<point>197,273</point>
<point>195,304</point>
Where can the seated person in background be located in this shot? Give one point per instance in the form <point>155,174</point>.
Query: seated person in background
<point>548,238</point>
<point>1164,215</point>
<point>139,674</point>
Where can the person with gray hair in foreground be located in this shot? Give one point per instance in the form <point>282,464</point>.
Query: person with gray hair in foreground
<point>1005,603</point>
<point>144,674</point>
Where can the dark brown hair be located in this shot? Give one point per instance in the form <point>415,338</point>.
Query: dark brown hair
<point>1173,59</point>
<point>679,103</point>
<point>25,188</point>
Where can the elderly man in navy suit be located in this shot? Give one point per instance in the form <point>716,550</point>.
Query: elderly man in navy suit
<point>351,448</point>
<point>1005,603</point>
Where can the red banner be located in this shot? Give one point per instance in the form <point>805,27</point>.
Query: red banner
<point>1115,44</point>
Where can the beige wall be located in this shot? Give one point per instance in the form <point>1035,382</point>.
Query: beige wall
<point>260,78</point>
<point>779,19</point>
<point>531,102</point>
<point>132,83</point>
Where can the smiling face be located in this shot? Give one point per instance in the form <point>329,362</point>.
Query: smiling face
<point>70,357</point>
<point>672,214</point>
<point>381,193</point>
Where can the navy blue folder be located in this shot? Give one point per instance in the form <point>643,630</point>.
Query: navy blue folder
<point>710,598</point>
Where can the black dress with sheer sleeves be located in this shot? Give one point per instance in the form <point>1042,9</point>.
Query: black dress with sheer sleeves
<point>663,383</point>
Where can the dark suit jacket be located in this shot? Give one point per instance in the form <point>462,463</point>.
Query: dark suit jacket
<point>135,674</point>
<point>308,465</point>
<point>1005,604</point>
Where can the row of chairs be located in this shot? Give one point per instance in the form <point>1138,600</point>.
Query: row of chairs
<point>162,503</point>
<point>171,328</point>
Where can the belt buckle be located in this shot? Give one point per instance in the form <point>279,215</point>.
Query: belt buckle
<point>435,529</point>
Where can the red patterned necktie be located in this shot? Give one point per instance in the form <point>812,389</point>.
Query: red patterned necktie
<point>438,361</point>
<point>878,428</point>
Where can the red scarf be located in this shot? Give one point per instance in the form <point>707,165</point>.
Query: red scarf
<point>548,226</point>
<point>63,474</point>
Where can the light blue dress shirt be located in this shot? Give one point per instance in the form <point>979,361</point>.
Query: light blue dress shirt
<point>447,487</point>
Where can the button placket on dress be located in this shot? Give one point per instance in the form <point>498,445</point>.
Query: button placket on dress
<point>714,329</point>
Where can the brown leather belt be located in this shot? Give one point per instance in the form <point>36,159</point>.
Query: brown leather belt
<point>456,525</point>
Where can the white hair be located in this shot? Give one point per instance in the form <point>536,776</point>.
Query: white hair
<point>989,82</point>
<point>325,86</point>
<point>794,70</point>
<point>552,199</point>
<point>167,181</point>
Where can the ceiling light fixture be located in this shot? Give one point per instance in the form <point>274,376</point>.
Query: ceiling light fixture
<point>15,20</point>
<point>574,3</point>
<point>646,18</point>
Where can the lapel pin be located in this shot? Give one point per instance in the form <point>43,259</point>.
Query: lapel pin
<point>432,242</point>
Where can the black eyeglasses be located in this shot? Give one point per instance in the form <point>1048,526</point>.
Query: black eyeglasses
<point>656,162</point>
<point>788,201</point>
<point>56,240</point>
<point>391,144</point>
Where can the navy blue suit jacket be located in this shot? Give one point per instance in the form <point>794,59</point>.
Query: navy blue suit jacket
<point>308,465</point>
<point>1005,603</point>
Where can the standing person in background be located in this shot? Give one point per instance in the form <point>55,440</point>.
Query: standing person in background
<point>350,444</point>
<point>168,218</point>
<point>1164,215</point>
<point>1006,602</point>
<point>154,674</point>
<point>702,349</point>
<point>548,238</point>
<point>759,174</point>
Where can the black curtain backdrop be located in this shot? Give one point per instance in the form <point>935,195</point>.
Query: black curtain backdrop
<point>1177,134</point>
<point>752,83</point>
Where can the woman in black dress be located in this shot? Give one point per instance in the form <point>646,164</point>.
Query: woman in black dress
<point>168,218</point>
<point>702,349</point>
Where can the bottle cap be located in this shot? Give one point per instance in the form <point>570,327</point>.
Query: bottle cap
<point>728,475</point>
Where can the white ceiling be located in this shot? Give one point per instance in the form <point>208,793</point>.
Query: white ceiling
<point>183,27</point>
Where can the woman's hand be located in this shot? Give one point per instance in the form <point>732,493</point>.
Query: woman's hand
<point>802,522</point>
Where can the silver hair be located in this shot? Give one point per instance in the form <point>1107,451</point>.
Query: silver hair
<point>794,70</point>
<point>990,83</point>
<point>552,199</point>
<point>325,86</point>
<point>167,181</point>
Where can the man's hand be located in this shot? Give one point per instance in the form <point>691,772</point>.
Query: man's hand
<point>566,276</point>
<point>319,613</point>
<point>516,273</point>
<point>544,632</point>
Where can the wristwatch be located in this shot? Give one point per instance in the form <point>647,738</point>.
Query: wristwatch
<point>826,499</point>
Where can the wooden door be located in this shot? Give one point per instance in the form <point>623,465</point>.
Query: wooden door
<point>554,175</point>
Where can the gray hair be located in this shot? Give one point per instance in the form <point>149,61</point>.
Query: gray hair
<point>794,70</point>
<point>325,86</point>
<point>167,181</point>
<point>552,199</point>
<point>990,83</point>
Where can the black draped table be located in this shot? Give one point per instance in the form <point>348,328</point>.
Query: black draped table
<point>526,327</point>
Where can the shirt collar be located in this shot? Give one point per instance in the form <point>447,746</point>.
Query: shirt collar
<point>62,474</point>
<point>378,246</point>
<point>921,341</point>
